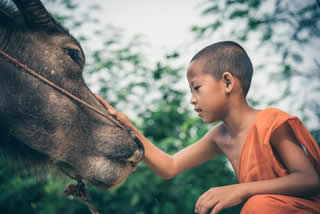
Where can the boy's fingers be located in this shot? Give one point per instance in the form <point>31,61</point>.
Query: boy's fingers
<point>98,97</point>
<point>102,100</point>
<point>199,201</point>
<point>217,208</point>
<point>106,104</point>
<point>111,110</point>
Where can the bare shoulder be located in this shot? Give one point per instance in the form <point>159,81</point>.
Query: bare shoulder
<point>219,133</point>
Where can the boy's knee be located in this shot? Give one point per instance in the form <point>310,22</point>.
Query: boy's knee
<point>259,204</point>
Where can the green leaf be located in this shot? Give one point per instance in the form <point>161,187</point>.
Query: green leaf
<point>267,35</point>
<point>254,4</point>
<point>173,55</point>
<point>216,25</point>
<point>297,57</point>
<point>239,14</point>
<point>194,28</point>
<point>212,9</point>
<point>253,23</point>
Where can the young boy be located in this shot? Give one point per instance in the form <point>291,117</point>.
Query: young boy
<point>276,159</point>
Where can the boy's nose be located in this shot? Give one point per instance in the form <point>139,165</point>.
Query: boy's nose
<point>192,100</point>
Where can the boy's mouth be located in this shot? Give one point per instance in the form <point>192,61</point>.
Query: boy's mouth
<point>197,110</point>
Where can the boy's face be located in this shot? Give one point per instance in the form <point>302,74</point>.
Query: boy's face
<point>208,94</point>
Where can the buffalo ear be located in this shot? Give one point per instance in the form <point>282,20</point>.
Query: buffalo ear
<point>35,14</point>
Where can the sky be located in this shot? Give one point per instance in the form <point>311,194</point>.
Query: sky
<point>164,25</point>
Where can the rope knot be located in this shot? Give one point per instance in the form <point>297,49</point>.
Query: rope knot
<point>79,190</point>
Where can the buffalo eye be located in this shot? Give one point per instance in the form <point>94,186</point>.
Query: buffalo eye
<point>74,54</point>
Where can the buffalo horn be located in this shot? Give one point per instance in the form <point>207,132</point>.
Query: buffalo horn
<point>35,13</point>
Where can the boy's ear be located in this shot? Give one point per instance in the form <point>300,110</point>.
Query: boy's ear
<point>228,81</point>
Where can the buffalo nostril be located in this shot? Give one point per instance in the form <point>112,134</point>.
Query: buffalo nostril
<point>133,164</point>
<point>135,158</point>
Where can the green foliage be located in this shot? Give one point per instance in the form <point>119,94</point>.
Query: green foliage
<point>316,135</point>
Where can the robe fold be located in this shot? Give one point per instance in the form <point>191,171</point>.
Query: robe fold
<point>258,162</point>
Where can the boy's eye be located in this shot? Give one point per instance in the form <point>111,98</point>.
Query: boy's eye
<point>196,88</point>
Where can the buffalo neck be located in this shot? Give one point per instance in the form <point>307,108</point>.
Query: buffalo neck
<point>4,38</point>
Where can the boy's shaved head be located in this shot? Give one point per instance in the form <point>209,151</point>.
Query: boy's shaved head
<point>227,56</point>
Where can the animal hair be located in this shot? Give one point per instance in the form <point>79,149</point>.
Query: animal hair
<point>21,158</point>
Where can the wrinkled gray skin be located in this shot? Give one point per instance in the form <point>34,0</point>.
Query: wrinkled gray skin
<point>44,126</point>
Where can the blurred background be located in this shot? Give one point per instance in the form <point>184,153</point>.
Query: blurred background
<point>136,58</point>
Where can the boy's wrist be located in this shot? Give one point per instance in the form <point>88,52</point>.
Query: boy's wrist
<point>246,190</point>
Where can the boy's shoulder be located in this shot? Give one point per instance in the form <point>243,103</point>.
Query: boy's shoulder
<point>218,132</point>
<point>267,119</point>
<point>271,118</point>
<point>271,113</point>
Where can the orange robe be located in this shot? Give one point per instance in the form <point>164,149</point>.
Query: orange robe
<point>258,162</point>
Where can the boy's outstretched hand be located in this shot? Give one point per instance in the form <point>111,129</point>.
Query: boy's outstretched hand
<point>120,116</point>
<point>219,198</point>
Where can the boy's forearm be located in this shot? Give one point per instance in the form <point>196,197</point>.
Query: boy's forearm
<point>160,162</point>
<point>294,184</point>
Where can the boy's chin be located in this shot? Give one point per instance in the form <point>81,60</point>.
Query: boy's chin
<point>208,120</point>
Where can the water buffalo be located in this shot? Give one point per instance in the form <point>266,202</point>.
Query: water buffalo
<point>39,124</point>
